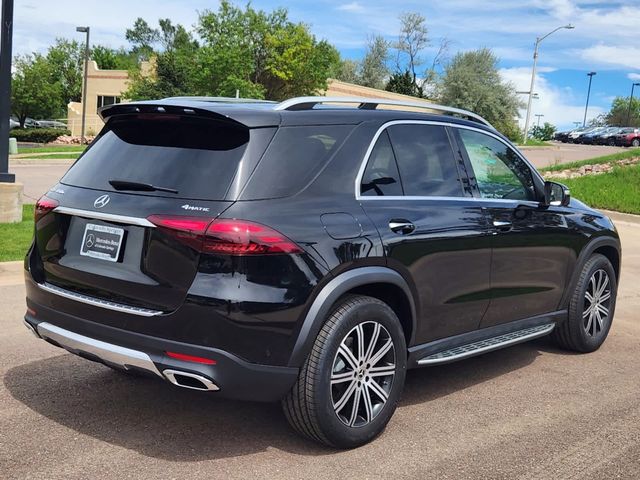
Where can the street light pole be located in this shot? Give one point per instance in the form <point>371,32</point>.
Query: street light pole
<point>586,107</point>
<point>6,30</point>
<point>533,76</point>
<point>84,84</point>
<point>633,85</point>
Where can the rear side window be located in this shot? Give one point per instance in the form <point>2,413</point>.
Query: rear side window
<point>381,176</point>
<point>425,160</point>
<point>293,159</point>
<point>195,156</point>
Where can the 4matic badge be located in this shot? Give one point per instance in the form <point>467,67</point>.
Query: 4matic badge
<point>195,208</point>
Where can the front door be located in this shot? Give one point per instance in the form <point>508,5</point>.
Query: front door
<point>434,232</point>
<point>531,244</point>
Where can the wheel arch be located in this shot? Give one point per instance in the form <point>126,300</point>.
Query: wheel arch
<point>607,246</point>
<point>382,283</point>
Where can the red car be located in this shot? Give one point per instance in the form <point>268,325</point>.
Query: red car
<point>628,137</point>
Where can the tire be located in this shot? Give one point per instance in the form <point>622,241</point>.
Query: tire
<point>586,327</point>
<point>635,142</point>
<point>320,406</point>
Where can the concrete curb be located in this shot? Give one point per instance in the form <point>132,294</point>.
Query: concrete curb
<point>623,217</point>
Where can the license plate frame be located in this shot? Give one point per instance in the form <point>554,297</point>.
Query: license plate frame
<point>102,242</point>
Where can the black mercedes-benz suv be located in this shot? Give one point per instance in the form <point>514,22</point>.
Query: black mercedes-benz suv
<point>310,252</point>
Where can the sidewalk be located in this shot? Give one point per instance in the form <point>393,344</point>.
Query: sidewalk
<point>11,273</point>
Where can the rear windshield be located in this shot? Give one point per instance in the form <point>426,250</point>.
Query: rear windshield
<point>195,156</point>
<point>294,157</point>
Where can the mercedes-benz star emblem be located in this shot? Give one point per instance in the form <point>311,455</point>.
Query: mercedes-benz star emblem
<point>90,240</point>
<point>101,201</point>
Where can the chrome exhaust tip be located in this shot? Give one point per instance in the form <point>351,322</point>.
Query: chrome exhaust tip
<point>190,380</point>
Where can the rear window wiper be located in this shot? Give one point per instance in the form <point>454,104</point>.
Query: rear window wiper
<point>139,186</point>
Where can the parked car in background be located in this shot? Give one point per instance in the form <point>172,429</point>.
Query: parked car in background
<point>562,136</point>
<point>28,123</point>
<point>283,251</point>
<point>51,124</point>
<point>588,137</point>
<point>571,138</point>
<point>628,137</point>
<point>13,124</point>
<point>607,136</point>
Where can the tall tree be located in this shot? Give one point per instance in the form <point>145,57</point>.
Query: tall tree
<point>620,115</point>
<point>348,71</point>
<point>143,38</point>
<point>36,91</point>
<point>66,59</point>
<point>374,64</point>
<point>113,59</point>
<point>410,47</point>
<point>472,81</point>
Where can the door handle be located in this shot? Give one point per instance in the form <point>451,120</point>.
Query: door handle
<point>502,224</point>
<point>403,227</point>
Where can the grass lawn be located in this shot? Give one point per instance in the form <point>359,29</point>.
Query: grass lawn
<point>53,156</point>
<point>15,238</point>
<point>629,153</point>
<point>53,148</point>
<point>534,142</point>
<point>618,190</point>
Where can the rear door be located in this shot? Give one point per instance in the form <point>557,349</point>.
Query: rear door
<point>432,229</point>
<point>532,251</point>
<point>104,240</point>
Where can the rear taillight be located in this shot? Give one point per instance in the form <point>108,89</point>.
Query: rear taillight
<point>226,236</point>
<point>44,206</point>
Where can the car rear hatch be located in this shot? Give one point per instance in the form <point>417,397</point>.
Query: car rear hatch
<point>122,228</point>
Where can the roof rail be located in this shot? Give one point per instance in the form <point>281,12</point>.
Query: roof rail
<point>307,103</point>
<point>221,99</point>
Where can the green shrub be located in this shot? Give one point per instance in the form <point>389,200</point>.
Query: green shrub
<point>38,135</point>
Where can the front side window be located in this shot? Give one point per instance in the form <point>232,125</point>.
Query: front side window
<point>425,160</point>
<point>499,171</point>
<point>381,176</point>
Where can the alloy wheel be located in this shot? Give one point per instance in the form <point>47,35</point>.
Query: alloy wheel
<point>362,374</point>
<point>597,302</point>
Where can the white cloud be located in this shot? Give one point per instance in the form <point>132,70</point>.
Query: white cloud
<point>634,76</point>
<point>622,56</point>
<point>355,7</point>
<point>560,106</point>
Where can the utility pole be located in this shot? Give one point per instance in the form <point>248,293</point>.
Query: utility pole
<point>586,107</point>
<point>633,85</point>
<point>84,87</point>
<point>533,77</point>
<point>5,89</point>
<point>538,115</point>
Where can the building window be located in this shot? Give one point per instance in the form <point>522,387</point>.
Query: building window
<point>107,100</point>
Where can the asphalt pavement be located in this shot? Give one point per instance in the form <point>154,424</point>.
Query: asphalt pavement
<point>528,412</point>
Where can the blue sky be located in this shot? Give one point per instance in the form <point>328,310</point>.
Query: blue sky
<point>605,40</point>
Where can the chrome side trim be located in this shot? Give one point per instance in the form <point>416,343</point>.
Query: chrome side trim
<point>372,144</point>
<point>171,376</point>
<point>488,345</point>
<point>96,302</point>
<point>110,353</point>
<point>109,217</point>
<point>305,103</point>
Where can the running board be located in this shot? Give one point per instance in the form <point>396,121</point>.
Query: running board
<point>488,345</point>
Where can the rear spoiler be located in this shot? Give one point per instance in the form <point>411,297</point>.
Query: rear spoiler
<point>240,117</point>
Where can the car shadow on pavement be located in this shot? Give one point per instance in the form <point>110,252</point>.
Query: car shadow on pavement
<point>161,421</point>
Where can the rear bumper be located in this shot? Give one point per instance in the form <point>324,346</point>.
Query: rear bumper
<point>229,377</point>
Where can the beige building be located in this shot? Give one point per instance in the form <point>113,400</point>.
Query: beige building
<point>105,87</point>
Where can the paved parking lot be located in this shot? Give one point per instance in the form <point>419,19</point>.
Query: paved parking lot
<point>531,411</point>
<point>566,152</point>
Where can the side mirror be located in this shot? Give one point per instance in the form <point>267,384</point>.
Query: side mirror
<point>556,194</point>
